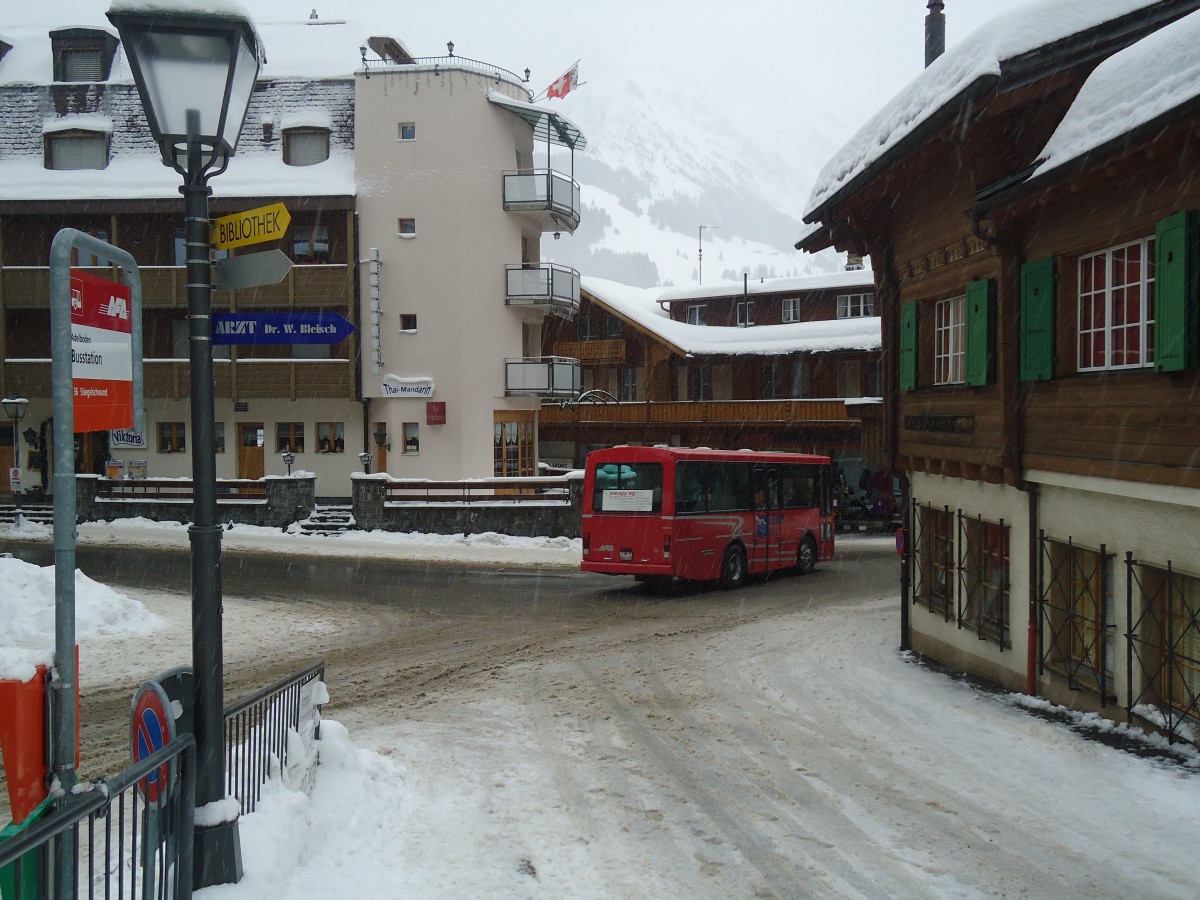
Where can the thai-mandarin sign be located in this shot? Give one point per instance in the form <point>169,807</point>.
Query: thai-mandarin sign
<point>395,386</point>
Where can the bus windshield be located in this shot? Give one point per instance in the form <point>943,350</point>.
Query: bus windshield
<point>628,487</point>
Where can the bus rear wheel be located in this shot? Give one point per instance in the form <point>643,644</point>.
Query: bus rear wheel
<point>733,568</point>
<point>806,559</point>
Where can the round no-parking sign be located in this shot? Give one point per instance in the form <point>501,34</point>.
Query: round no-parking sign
<point>152,728</point>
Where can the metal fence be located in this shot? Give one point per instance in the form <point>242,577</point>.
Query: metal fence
<point>257,733</point>
<point>129,836</point>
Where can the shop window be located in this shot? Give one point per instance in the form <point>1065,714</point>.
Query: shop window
<point>331,437</point>
<point>984,574</point>
<point>289,436</point>
<point>933,571</point>
<point>172,437</point>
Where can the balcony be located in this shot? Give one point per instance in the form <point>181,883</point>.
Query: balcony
<point>542,376</point>
<point>551,197</point>
<point>607,351</point>
<point>738,413</point>
<point>553,288</point>
<point>315,286</point>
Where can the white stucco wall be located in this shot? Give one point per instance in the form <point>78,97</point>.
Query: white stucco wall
<point>451,273</point>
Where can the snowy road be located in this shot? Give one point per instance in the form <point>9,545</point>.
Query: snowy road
<point>566,736</point>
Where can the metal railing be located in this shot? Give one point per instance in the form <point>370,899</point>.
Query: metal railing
<point>450,62</point>
<point>257,734</point>
<point>177,489</point>
<point>544,284</point>
<point>543,489</point>
<point>544,376</point>
<point>111,841</point>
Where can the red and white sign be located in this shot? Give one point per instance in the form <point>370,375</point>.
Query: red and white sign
<point>101,353</point>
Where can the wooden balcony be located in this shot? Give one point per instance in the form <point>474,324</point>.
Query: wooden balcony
<point>610,351</point>
<point>257,379</point>
<point>305,286</point>
<point>703,412</point>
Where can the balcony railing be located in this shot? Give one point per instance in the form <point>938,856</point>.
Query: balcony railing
<point>542,376</point>
<point>611,350</point>
<point>551,195</point>
<point>548,285</point>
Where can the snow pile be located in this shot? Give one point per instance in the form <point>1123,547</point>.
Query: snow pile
<point>27,616</point>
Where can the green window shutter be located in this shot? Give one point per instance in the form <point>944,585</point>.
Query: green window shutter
<point>908,347</point>
<point>1175,291</point>
<point>1037,320</point>
<point>980,323</point>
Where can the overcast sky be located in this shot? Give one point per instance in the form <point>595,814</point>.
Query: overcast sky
<point>755,58</point>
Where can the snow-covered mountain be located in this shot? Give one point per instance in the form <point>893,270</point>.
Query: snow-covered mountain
<point>661,163</point>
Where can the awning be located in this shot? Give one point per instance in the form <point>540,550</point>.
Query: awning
<point>547,126</point>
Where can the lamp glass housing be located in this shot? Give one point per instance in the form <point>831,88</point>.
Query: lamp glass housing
<point>195,74</point>
<point>14,407</point>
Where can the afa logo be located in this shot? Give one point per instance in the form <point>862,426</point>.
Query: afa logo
<point>117,307</point>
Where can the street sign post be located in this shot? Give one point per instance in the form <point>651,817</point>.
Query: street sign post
<point>266,223</point>
<point>281,328</point>
<point>251,270</point>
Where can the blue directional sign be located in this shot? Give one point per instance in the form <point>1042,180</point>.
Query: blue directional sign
<point>281,328</point>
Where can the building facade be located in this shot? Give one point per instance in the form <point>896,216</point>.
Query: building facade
<point>797,377</point>
<point>412,190</point>
<point>1040,354</point>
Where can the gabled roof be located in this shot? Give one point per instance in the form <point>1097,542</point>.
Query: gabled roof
<point>1128,97</point>
<point>640,307</point>
<point>1011,50</point>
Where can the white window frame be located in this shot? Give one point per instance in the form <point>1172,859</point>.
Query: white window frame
<point>697,315</point>
<point>791,309</point>
<point>1104,302</point>
<point>949,340</point>
<point>855,306</point>
<point>745,313</point>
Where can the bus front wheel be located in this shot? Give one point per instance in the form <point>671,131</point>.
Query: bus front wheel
<point>806,559</point>
<point>733,568</point>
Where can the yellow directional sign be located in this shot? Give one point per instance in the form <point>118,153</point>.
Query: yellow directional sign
<point>267,223</point>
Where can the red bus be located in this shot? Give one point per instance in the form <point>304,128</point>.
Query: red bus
<point>659,513</point>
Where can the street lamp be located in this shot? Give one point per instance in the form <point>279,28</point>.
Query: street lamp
<point>365,459</point>
<point>194,72</point>
<point>288,458</point>
<point>14,408</point>
<point>700,255</point>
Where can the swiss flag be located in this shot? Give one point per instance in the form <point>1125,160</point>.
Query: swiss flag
<point>563,86</point>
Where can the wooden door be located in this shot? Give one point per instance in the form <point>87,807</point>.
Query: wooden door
<point>251,459</point>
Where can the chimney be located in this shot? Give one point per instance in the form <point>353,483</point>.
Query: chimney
<point>935,31</point>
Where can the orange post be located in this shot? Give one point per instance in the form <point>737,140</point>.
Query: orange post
<point>23,741</point>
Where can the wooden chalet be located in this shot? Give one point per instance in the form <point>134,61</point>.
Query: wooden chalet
<point>654,371</point>
<point>1036,258</point>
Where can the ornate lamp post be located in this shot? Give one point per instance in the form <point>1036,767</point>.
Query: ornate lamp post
<point>194,71</point>
<point>289,458</point>
<point>365,459</point>
<point>14,408</point>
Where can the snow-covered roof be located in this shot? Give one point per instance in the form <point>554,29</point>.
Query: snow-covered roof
<point>640,305</point>
<point>294,48</point>
<point>860,278</point>
<point>975,63</point>
<point>1128,90</point>
<point>144,177</point>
